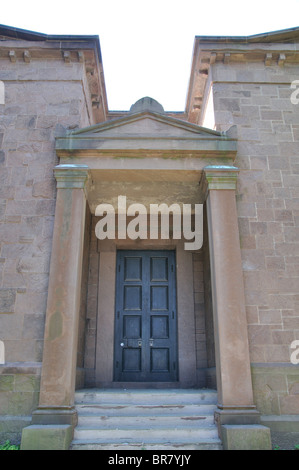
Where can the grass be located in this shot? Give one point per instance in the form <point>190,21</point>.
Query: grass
<point>8,446</point>
<point>276,447</point>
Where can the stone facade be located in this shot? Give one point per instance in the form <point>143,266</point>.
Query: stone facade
<point>45,95</point>
<point>54,85</point>
<point>253,91</point>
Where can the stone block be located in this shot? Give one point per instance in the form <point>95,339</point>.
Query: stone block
<point>22,403</point>
<point>6,383</point>
<point>11,428</point>
<point>246,437</point>
<point>283,424</point>
<point>7,300</point>
<point>46,437</point>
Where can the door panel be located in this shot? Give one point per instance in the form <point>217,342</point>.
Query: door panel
<point>145,321</point>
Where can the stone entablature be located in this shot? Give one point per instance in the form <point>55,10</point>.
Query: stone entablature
<point>147,147</point>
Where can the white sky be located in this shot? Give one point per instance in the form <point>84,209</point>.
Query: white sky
<point>147,45</point>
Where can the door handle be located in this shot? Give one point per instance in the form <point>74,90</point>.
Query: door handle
<point>139,343</point>
<point>151,342</point>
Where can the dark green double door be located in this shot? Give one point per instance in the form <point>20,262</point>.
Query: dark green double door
<point>145,320</point>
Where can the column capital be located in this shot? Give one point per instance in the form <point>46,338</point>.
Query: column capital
<point>71,175</point>
<point>218,177</point>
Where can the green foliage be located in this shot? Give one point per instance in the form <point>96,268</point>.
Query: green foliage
<point>278,448</point>
<point>9,446</point>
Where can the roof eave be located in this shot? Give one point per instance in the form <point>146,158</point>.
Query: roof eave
<point>284,35</point>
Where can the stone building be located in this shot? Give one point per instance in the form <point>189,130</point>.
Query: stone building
<point>117,314</point>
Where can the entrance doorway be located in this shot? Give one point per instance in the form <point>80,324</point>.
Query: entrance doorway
<point>145,348</point>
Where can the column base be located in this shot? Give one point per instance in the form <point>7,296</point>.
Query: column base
<point>240,429</point>
<point>47,437</point>
<point>54,415</point>
<point>237,415</point>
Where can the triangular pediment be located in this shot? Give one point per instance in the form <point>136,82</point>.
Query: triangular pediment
<point>147,125</point>
<point>144,131</point>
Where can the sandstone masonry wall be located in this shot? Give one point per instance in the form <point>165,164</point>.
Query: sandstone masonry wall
<point>43,98</point>
<point>257,100</point>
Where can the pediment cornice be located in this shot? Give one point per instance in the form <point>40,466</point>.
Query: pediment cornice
<point>145,131</point>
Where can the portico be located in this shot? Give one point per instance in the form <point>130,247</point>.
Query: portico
<point>149,157</point>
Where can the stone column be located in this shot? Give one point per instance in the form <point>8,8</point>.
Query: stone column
<point>234,384</point>
<point>57,389</point>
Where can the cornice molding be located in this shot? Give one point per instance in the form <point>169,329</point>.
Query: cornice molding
<point>279,48</point>
<point>18,45</point>
<point>147,132</point>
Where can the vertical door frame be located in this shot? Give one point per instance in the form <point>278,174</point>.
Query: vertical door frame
<point>106,309</point>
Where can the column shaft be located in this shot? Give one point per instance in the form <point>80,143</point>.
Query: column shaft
<point>232,350</point>
<point>62,316</point>
<point>234,382</point>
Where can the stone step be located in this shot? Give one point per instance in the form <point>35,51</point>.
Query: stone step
<point>113,409</point>
<point>150,435</point>
<point>145,419</point>
<point>207,444</point>
<point>149,397</point>
<point>134,421</point>
<point>157,419</point>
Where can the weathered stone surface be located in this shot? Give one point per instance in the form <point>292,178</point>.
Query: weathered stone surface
<point>46,437</point>
<point>11,428</point>
<point>268,215</point>
<point>273,386</point>
<point>246,437</point>
<point>7,300</point>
